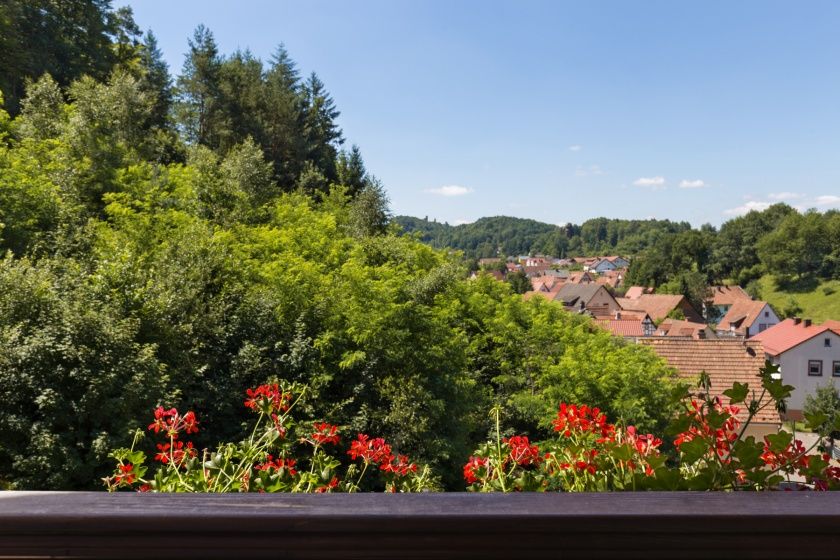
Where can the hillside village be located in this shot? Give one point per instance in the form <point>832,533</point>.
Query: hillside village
<point>729,338</point>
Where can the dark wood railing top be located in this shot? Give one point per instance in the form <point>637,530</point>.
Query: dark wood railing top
<point>632,525</point>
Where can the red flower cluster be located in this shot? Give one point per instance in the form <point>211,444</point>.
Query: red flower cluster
<point>327,487</point>
<point>325,433</point>
<point>522,452</point>
<point>176,453</point>
<point>472,466</point>
<point>125,475</point>
<point>645,444</point>
<point>171,423</point>
<point>370,450</point>
<point>723,437</point>
<point>268,399</point>
<point>378,452</point>
<point>574,419</point>
<point>400,466</point>
<point>277,464</point>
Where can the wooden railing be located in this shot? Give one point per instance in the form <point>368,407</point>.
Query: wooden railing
<point>402,526</point>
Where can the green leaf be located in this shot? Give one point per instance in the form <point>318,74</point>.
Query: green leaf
<point>780,441</point>
<point>693,450</point>
<point>738,392</point>
<point>748,452</point>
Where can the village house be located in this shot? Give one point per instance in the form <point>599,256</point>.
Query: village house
<point>808,355</point>
<point>659,306</point>
<point>747,318</point>
<point>489,261</point>
<point>626,325</point>
<point>580,277</point>
<point>603,264</point>
<point>688,329</point>
<point>592,298</point>
<point>546,283</point>
<point>580,298</point>
<point>723,297</point>
<point>611,278</point>
<point>725,361</point>
<point>536,270</point>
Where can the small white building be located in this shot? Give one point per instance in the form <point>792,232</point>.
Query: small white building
<point>808,355</point>
<point>747,318</point>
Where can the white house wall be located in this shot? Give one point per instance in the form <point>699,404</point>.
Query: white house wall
<point>794,364</point>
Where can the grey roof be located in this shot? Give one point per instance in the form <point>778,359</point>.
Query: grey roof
<point>570,294</point>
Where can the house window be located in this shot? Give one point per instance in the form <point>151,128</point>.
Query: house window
<point>827,343</point>
<point>836,368</point>
<point>766,313</point>
<point>762,327</point>
<point>815,368</point>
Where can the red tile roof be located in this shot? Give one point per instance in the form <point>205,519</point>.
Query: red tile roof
<point>725,360</point>
<point>743,313</point>
<point>727,295</point>
<point>634,292</point>
<point>657,305</point>
<point>787,334</point>
<point>674,327</point>
<point>622,327</point>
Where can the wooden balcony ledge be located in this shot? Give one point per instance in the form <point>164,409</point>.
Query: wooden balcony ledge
<point>403,526</point>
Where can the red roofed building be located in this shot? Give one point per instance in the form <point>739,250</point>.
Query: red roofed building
<point>633,292</point>
<point>808,354</point>
<point>747,318</point>
<point>725,361</point>
<point>627,326</point>
<point>723,297</point>
<point>658,306</point>
<point>689,329</point>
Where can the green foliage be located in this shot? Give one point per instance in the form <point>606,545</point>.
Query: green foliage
<point>518,281</point>
<point>67,39</point>
<point>516,236</point>
<point>145,268</point>
<point>822,408</point>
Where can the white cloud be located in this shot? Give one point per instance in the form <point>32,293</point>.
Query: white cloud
<point>575,147</point>
<point>657,182</point>
<point>827,200</point>
<point>450,190</point>
<point>695,184</point>
<point>785,196</point>
<point>591,170</point>
<point>747,207</point>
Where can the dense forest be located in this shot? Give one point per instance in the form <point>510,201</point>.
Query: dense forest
<point>506,236</point>
<point>173,240</point>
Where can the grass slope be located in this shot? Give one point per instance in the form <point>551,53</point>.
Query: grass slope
<point>819,300</point>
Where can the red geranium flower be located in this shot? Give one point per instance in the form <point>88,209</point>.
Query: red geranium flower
<point>325,433</point>
<point>268,399</point>
<point>522,452</point>
<point>472,466</point>
<point>370,450</point>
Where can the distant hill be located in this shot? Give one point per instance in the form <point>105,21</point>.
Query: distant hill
<point>505,235</point>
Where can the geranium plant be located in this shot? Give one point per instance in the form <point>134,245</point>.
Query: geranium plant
<point>710,450</point>
<point>269,460</point>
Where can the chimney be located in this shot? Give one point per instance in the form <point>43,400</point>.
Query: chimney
<point>807,323</point>
<point>796,320</point>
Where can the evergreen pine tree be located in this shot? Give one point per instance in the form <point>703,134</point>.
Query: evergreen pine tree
<point>197,109</point>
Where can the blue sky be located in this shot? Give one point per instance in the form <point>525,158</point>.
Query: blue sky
<point>562,111</point>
